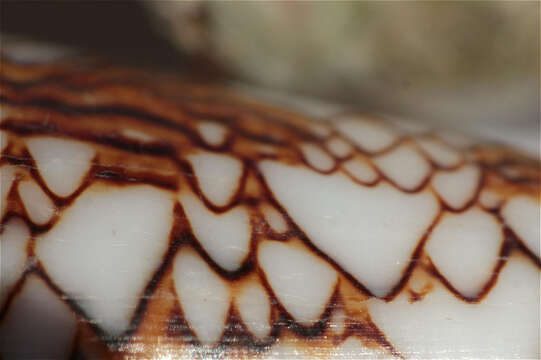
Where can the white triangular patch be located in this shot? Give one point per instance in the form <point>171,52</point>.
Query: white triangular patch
<point>302,282</point>
<point>225,236</point>
<point>203,295</point>
<point>105,248</point>
<point>371,232</point>
<point>61,163</point>
<point>217,175</point>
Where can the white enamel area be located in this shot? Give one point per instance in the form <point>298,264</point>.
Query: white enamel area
<point>319,129</point>
<point>204,297</point>
<point>3,140</point>
<point>339,147</point>
<point>360,170</point>
<point>316,157</point>
<point>490,199</point>
<point>7,175</point>
<point>522,215</point>
<point>337,322</point>
<point>456,139</point>
<point>212,133</point>
<point>13,242</point>
<point>440,153</point>
<point>275,220</point>
<point>218,175</point>
<point>404,166</point>
<point>465,249</point>
<point>302,282</point>
<point>371,232</point>
<point>369,135</point>
<point>505,325</point>
<point>457,187</point>
<point>38,325</point>
<point>255,309</point>
<point>61,163</point>
<point>112,240</point>
<point>37,204</point>
<point>225,236</point>
<point>137,135</point>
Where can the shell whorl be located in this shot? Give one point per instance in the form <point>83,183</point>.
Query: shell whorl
<point>149,210</point>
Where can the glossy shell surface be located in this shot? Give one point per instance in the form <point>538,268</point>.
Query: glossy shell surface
<point>148,217</point>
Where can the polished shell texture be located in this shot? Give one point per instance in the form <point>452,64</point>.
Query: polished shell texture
<point>144,216</point>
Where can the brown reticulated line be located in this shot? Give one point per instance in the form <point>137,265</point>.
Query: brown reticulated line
<point>434,163</point>
<point>177,237</point>
<point>414,260</point>
<point>137,112</point>
<point>217,107</point>
<point>118,175</point>
<point>96,172</point>
<point>181,234</point>
<point>189,239</point>
<point>306,240</point>
<point>175,125</point>
<point>515,240</point>
<point>187,170</point>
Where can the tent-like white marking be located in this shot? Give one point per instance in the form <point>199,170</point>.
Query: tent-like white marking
<point>369,135</point>
<point>212,133</point>
<point>37,204</point>
<point>371,232</point>
<point>404,166</point>
<point>105,248</point>
<point>254,308</point>
<point>302,282</point>
<point>360,170</point>
<point>457,187</point>
<point>204,297</point>
<point>339,147</point>
<point>316,157</point>
<point>275,220</point>
<point>61,163</point>
<point>465,248</point>
<point>225,236</point>
<point>440,153</point>
<point>504,325</point>
<point>320,130</point>
<point>490,199</point>
<point>218,175</point>
<point>522,214</point>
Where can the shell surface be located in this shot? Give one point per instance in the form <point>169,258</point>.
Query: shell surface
<point>148,217</point>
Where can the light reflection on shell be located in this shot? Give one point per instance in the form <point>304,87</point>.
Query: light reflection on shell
<point>156,217</point>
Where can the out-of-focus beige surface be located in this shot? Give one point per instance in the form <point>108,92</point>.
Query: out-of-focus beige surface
<point>452,62</point>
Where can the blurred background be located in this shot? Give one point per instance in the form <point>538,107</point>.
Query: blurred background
<point>471,65</point>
